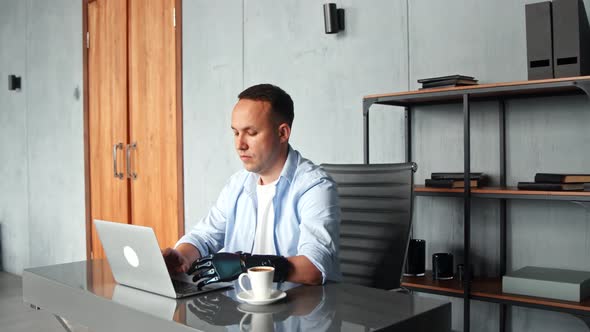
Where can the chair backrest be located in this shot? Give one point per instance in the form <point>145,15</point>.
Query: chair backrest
<point>376,202</point>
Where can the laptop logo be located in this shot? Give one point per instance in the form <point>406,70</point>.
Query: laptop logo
<point>131,256</point>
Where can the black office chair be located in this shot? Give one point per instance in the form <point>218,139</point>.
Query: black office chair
<point>376,202</point>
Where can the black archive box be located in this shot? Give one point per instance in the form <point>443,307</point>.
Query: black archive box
<point>539,40</point>
<point>571,39</point>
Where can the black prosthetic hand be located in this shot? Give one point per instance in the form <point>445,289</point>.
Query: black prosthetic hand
<point>226,266</point>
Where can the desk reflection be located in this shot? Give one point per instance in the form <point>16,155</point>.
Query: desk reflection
<point>147,302</point>
<point>303,309</point>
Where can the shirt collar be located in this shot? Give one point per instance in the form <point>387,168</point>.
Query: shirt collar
<point>288,172</point>
<point>290,166</point>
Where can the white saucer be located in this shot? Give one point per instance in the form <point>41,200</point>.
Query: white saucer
<point>274,296</point>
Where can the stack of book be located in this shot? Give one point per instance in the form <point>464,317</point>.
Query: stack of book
<point>454,180</point>
<point>446,81</point>
<point>558,182</point>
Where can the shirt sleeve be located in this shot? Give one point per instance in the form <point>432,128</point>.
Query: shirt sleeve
<point>319,212</point>
<point>209,233</point>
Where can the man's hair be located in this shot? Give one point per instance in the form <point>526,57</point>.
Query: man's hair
<point>281,104</point>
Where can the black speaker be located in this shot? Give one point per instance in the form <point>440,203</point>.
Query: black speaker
<point>416,259</point>
<point>539,40</point>
<point>571,38</point>
<point>442,266</point>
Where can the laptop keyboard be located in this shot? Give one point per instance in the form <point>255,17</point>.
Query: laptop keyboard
<point>183,287</point>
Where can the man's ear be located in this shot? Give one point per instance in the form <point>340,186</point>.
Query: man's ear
<point>284,132</point>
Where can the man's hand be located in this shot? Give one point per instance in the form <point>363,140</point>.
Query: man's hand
<point>223,266</point>
<point>176,262</point>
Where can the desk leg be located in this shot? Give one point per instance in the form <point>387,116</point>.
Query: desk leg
<point>64,323</point>
<point>69,327</point>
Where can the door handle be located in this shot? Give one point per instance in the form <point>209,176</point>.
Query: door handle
<point>115,148</point>
<point>131,175</point>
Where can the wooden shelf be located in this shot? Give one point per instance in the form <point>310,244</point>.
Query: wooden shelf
<point>504,192</point>
<point>490,290</point>
<point>570,85</point>
<point>427,285</point>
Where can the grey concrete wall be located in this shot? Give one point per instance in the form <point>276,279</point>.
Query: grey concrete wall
<point>55,132</point>
<point>212,79</point>
<point>42,212</point>
<point>14,209</point>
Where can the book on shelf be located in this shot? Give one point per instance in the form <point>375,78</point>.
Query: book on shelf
<point>455,175</point>
<point>561,178</point>
<point>443,78</point>
<point>449,183</point>
<point>448,83</point>
<point>553,186</point>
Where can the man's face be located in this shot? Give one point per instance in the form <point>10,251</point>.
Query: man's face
<point>257,137</point>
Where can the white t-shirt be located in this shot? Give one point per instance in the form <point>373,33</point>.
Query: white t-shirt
<point>264,243</point>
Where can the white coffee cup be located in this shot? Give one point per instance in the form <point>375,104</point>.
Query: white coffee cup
<point>261,281</point>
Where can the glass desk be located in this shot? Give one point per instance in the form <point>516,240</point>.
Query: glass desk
<point>85,293</point>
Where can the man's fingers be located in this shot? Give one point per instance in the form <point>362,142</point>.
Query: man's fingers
<point>206,282</point>
<point>205,273</point>
<point>183,268</point>
<point>201,268</point>
<point>203,265</point>
<point>179,268</point>
<point>200,263</point>
<point>166,251</point>
<point>196,278</point>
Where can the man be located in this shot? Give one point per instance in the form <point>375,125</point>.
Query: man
<point>281,211</point>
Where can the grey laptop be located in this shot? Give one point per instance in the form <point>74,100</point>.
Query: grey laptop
<point>136,261</point>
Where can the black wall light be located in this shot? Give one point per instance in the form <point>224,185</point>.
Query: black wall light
<point>333,18</point>
<point>14,83</point>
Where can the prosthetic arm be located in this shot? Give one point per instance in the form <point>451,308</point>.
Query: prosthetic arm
<point>225,266</point>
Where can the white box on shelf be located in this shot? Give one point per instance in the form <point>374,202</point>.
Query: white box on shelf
<point>559,284</point>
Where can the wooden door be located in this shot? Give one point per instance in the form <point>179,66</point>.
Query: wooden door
<point>154,119</point>
<point>107,113</point>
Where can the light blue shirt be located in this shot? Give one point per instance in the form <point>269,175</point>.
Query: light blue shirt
<point>307,216</point>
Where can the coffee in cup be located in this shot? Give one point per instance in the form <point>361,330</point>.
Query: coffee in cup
<point>261,278</point>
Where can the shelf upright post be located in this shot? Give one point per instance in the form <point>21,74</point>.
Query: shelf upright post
<point>408,133</point>
<point>584,86</point>
<point>408,115</point>
<point>502,122</point>
<point>367,102</point>
<point>466,210</point>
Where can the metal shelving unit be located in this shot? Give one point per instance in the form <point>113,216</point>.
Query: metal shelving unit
<point>488,290</point>
<point>506,193</point>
